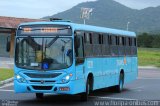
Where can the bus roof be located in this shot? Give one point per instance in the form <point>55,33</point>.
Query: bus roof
<point>76,26</point>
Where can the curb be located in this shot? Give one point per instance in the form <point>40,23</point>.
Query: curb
<point>148,67</point>
<point>6,81</point>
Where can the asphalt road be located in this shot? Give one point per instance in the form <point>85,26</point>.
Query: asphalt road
<point>145,88</point>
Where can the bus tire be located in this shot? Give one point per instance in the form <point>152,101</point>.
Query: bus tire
<point>39,95</point>
<point>119,87</point>
<point>84,96</point>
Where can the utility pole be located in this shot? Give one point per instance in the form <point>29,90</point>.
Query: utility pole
<point>128,25</point>
<point>85,13</point>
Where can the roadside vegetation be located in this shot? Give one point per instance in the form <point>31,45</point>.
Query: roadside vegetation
<point>5,74</point>
<point>147,40</point>
<point>148,49</point>
<point>149,57</point>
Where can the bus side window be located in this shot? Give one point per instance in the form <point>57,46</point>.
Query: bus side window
<point>120,41</point>
<point>88,41</point>
<point>135,42</point>
<point>114,45</point>
<point>87,38</point>
<point>106,39</point>
<point>106,45</point>
<point>127,41</point>
<point>134,48</point>
<point>113,39</point>
<point>117,40</point>
<point>123,41</point>
<point>109,40</point>
<point>121,47</point>
<point>90,37</point>
<point>130,41</point>
<point>100,38</point>
<point>128,46</point>
<point>97,41</point>
<point>79,51</point>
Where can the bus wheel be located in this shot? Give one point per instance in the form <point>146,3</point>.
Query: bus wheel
<point>84,96</point>
<point>39,95</point>
<point>119,87</point>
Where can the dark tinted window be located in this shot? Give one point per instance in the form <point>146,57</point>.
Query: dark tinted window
<point>117,40</point>
<point>100,39</point>
<point>79,50</point>
<point>103,44</point>
<point>113,39</point>
<point>130,41</point>
<point>110,40</point>
<point>105,39</point>
<point>88,38</point>
<point>95,38</point>
<point>135,42</point>
<point>123,41</point>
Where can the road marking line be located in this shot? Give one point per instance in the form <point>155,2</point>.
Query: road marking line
<point>103,97</point>
<point>7,85</point>
<point>149,78</point>
<point>137,88</point>
<point>4,90</point>
<point>7,63</point>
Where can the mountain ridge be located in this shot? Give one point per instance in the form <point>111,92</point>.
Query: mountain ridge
<point>115,15</point>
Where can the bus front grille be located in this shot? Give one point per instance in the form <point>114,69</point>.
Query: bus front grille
<point>42,87</point>
<point>37,75</point>
<point>38,81</point>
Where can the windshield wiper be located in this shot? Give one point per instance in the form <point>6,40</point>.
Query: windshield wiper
<point>30,41</point>
<point>51,42</point>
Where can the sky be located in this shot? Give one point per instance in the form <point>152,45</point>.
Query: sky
<point>40,8</point>
<point>140,4</point>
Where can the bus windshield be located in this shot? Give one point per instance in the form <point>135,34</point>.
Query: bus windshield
<point>43,53</point>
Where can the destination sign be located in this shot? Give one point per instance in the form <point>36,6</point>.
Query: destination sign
<point>40,30</point>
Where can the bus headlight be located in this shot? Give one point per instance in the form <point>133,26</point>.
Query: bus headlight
<point>20,78</point>
<point>66,78</point>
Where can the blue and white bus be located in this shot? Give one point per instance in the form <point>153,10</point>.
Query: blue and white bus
<point>62,57</point>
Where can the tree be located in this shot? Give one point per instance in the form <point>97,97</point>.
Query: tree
<point>145,40</point>
<point>156,41</point>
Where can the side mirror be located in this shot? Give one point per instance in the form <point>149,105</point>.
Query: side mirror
<point>8,45</point>
<point>77,42</point>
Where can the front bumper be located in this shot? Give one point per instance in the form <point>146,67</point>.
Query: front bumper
<point>72,87</point>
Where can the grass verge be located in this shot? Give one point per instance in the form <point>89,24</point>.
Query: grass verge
<point>5,74</point>
<point>149,57</point>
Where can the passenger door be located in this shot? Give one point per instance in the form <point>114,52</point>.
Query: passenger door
<point>79,54</point>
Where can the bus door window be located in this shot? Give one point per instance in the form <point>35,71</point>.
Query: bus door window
<point>79,52</point>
